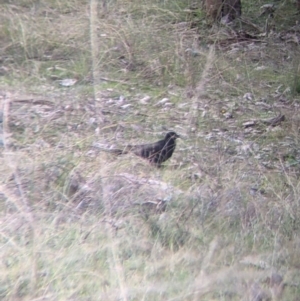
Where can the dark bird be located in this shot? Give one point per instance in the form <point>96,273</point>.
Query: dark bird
<point>156,153</point>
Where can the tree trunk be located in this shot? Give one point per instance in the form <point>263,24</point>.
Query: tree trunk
<point>219,9</point>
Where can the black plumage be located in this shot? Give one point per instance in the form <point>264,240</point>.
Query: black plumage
<point>156,153</point>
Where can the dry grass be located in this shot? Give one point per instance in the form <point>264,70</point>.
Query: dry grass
<point>219,222</point>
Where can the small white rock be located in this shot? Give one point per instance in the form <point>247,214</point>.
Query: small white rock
<point>248,96</point>
<point>164,100</point>
<point>145,99</point>
<point>68,82</point>
<point>126,106</point>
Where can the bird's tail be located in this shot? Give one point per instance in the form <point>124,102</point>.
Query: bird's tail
<point>114,151</point>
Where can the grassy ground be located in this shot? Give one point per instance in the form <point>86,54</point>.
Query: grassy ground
<point>219,222</point>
